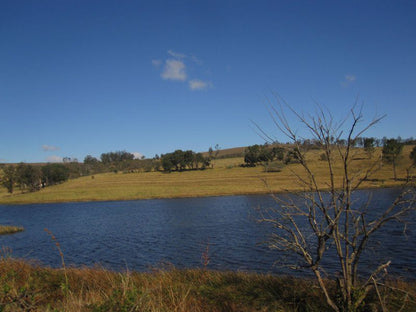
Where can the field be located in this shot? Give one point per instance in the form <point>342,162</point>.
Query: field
<point>225,178</point>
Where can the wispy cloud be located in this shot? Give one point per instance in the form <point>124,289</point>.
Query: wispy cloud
<point>156,63</point>
<point>174,70</point>
<point>54,159</point>
<point>176,54</point>
<point>348,80</point>
<point>197,84</point>
<point>47,148</point>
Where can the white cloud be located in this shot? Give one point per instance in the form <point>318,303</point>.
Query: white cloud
<point>176,55</point>
<point>196,84</point>
<point>174,70</point>
<point>54,159</point>
<point>156,63</point>
<point>138,155</point>
<point>47,148</point>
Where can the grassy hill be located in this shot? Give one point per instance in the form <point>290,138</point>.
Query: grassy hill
<point>225,178</point>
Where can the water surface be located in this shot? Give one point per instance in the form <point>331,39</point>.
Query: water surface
<point>139,235</point>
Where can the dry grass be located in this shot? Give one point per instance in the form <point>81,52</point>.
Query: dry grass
<point>8,229</point>
<point>226,178</point>
<point>28,287</point>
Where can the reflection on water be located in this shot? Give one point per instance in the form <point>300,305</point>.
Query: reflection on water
<point>141,234</point>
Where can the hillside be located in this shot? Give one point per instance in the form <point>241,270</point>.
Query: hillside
<point>225,178</point>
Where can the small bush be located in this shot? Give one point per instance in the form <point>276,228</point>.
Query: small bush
<point>275,166</point>
<point>323,157</point>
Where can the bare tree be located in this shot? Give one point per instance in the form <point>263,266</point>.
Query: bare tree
<point>326,222</point>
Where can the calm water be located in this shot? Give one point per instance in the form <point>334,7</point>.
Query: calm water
<point>139,235</point>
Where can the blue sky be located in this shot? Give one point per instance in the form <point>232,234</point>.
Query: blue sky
<point>88,77</point>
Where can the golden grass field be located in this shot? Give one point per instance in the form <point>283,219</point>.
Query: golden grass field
<point>226,178</point>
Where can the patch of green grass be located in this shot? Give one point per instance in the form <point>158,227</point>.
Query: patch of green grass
<point>7,229</point>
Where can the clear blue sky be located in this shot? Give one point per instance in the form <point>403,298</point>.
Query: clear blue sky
<point>87,77</point>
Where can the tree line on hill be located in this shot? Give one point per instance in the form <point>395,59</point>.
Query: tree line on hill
<point>266,154</point>
<point>33,178</point>
<point>184,160</point>
<point>28,177</point>
<point>123,161</point>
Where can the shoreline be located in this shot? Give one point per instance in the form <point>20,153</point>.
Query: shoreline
<point>19,203</point>
<point>227,178</point>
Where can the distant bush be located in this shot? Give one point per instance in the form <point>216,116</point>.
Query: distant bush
<point>274,166</point>
<point>323,157</point>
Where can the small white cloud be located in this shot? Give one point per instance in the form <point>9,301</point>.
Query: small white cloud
<point>54,159</point>
<point>156,63</point>
<point>138,155</point>
<point>350,78</point>
<point>176,55</point>
<point>196,84</point>
<point>47,148</point>
<point>174,70</point>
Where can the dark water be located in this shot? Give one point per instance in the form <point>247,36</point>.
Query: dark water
<point>139,235</point>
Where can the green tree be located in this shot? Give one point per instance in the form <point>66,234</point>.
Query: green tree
<point>166,161</point>
<point>54,174</point>
<point>180,160</point>
<point>28,177</point>
<point>278,153</point>
<point>188,159</point>
<point>251,155</point>
<point>391,151</point>
<point>116,157</point>
<point>198,159</point>
<point>368,144</point>
<point>90,160</point>
<point>9,178</point>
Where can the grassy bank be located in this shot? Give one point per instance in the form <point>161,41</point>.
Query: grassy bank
<point>27,287</point>
<point>8,229</point>
<point>226,178</point>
